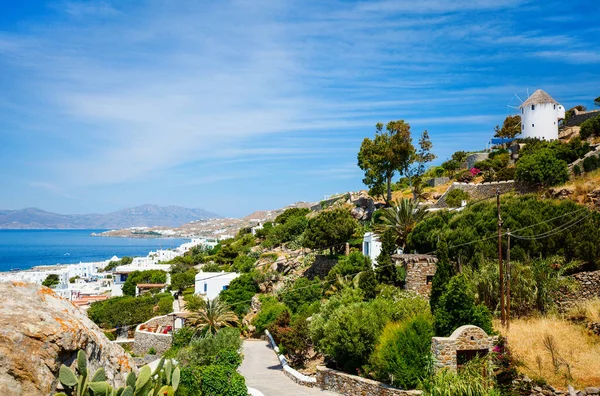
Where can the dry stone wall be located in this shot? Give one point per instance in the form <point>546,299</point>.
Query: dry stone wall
<point>465,338</point>
<point>588,287</point>
<point>146,340</point>
<point>352,385</point>
<point>420,269</point>
<point>483,190</point>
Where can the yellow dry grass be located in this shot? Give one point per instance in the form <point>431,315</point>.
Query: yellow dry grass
<point>586,311</point>
<point>573,344</point>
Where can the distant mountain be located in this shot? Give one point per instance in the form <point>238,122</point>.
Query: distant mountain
<point>140,216</point>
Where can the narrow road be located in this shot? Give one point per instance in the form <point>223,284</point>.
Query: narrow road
<point>262,371</point>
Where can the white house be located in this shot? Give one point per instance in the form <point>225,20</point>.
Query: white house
<point>540,115</point>
<point>371,247</point>
<point>210,284</point>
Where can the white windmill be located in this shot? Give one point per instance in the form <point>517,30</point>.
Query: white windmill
<point>540,115</point>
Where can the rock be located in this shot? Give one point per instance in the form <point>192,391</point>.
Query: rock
<point>40,331</point>
<point>436,196</point>
<point>251,328</point>
<point>592,391</point>
<point>364,205</point>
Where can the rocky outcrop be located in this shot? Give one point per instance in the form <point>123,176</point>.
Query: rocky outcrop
<point>39,331</point>
<point>364,205</point>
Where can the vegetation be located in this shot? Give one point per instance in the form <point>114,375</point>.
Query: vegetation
<point>240,292</point>
<point>390,152</point>
<point>542,167</point>
<point>270,310</point>
<point>590,127</point>
<point>182,280</point>
<point>164,380</point>
<point>149,276</point>
<point>401,218</point>
<point>302,293</point>
<point>386,271</point>
<point>455,197</point>
<point>214,315</point>
<point>329,229</point>
<point>474,379</point>
<point>127,311</point>
<point>511,127</point>
<point>51,280</point>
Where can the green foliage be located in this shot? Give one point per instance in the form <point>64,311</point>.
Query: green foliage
<point>367,282</point>
<point>511,127</point>
<point>243,263</point>
<point>457,308</point>
<point>477,224</point>
<point>270,310</point>
<point>290,213</point>
<point>221,380</point>
<point>73,279</point>
<point>455,197</point>
<point>211,267</point>
<point>149,276</point>
<point>114,264</point>
<point>240,292</point>
<point>390,152</point>
<point>505,174</point>
<point>401,217</point>
<point>294,337</point>
<point>164,380</point>
<point>385,270</point>
<point>590,127</point>
<point>204,351</point>
<point>401,356</point>
<point>302,293</point>
<point>51,280</point>
<point>568,152</point>
<point>476,378</point>
<point>542,167</point>
<point>181,281</point>
<point>346,329</point>
<point>194,302</point>
<point>263,232</point>
<point>591,163</point>
<point>329,228</point>
<point>126,310</point>
<point>351,265</point>
<point>165,305</point>
<point>291,229</point>
<point>442,276</point>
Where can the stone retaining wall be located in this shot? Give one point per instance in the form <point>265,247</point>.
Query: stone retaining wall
<point>579,119</point>
<point>525,386</point>
<point>145,340</point>
<point>579,162</point>
<point>588,287</point>
<point>478,191</point>
<point>351,385</point>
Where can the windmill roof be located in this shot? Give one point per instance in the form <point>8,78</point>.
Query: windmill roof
<point>538,97</point>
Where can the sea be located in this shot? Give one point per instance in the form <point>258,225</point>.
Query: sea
<point>23,249</point>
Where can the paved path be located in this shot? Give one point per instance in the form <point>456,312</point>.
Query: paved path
<point>262,371</point>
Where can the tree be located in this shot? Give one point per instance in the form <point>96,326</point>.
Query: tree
<point>457,308</point>
<point>149,276</point>
<point>388,153</point>
<point>367,282</point>
<point>183,280</point>
<point>597,102</point>
<point>240,292</point>
<point>511,127</point>
<point>302,293</point>
<point>329,229</point>
<point>385,270</point>
<point>401,217</point>
<point>421,157</point>
<point>51,280</point>
<point>542,167</point>
<point>213,316</point>
<point>455,197</point>
<point>443,274</point>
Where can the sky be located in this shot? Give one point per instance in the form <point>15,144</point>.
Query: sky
<point>236,106</point>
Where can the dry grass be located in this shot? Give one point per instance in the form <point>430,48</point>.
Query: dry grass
<point>586,311</point>
<point>574,352</point>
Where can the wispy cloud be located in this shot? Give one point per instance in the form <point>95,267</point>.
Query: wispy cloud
<point>54,189</point>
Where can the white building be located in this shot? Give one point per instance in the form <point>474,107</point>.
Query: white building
<point>210,284</point>
<point>371,247</point>
<point>539,116</point>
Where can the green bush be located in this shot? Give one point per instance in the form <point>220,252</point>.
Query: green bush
<point>465,176</point>
<point>302,293</point>
<point>293,337</point>
<point>239,294</point>
<point>183,280</point>
<point>204,351</point>
<point>542,167</point>
<point>506,174</point>
<point>351,265</point>
<point>455,197</point>
<point>577,170</point>
<point>223,381</point>
<point>329,229</point>
<point>51,280</point>
<point>591,163</point>
<point>123,311</point>
<point>165,305</point>
<point>291,213</point>
<point>269,311</point>
<point>457,308</point>
<point>474,379</point>
<point>402,353</point>
<point>149,276</point>
<point>194,302</point>
<point>243,263</point>
<point>110,335</point>
<point>590,127</point>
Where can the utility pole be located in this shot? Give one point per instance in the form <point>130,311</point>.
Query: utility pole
<point>508,280</point>
<point>501,269</point>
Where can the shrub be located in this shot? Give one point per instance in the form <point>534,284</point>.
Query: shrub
<point>149,276</point>
<point>465,177</point>
<point>194,302</point>
<point>542,167</point>
<point>401,356</point>
<point>302,293</point>
<point>291,213</point>
<point>352,264</point>
<point>474,379</point>
<point>455,197</point>
<point>577,170</point>
<point>329,229</point>
<point>270,310</point>
<point>203,351</point>
<point>506,174</point>
<point>294,338</point>
<point>165,305</point>
<point>223,381</point>
<point>240,292</point>
<point>51,280</point>
<point>183,280</point>
<point>590,163</point>
<point>243,263</point>
<point>590,127</point>
<point>123,311</point>
<point>457,308</point>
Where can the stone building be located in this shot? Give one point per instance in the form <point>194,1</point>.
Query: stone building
<point>420,269</point>
<point>465,343</point>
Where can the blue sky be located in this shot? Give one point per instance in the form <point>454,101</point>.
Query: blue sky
<point>235,106</point>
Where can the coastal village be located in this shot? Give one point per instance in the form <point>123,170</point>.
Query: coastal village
<point>481,274</point>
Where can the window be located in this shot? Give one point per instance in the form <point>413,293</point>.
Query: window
<point>205,287</point>
<point>366,249</point>
<point>225,287</point>
<point>523,126</point>
<point>532,107</point>
<point>554,107</point>
<point>522,111</point>
<point>429,279</point>
<point>532,125</point>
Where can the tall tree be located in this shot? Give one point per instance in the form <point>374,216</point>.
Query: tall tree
<point>385,270</point>
<point>329,229</point>
<point>401,218</point>
<point>390,152</point>
<point>421,157</point>
<point>511,127</point>
<point>597,101</point>
<point>443,274</point>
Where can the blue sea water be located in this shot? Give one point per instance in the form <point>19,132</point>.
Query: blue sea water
<point>23,249</point>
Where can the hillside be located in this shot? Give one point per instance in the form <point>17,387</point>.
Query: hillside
<point>139,216</point>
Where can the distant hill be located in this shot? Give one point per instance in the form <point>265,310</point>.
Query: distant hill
<point>140,216</point>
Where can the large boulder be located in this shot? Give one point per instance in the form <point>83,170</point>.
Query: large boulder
<point>39,331</point>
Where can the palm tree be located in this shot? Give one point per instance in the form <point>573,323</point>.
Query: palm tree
<point>214,315</point>
<point>401,217</point>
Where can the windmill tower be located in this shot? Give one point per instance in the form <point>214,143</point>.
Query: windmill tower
<point>539,116</point>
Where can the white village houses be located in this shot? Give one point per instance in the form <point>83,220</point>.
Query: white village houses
<point>210,284</point>
<point>540,114</point>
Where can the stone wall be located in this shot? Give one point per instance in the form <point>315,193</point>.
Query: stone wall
<point>525,386</point>
<point>420,269</point>
<point>145,340</point>
<point>588,287</point>
<point>351,385</point>
<point>483,190</point>
<point>437,181</point>
<point>465,338</point>
<point>578,119</point>
<point>579,162</point>
<point>476,157</point>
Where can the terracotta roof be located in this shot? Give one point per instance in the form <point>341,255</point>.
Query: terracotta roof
<point>538,97</point>
<point>151,285</point>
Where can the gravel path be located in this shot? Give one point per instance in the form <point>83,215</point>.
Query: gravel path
<point>262,371</point>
